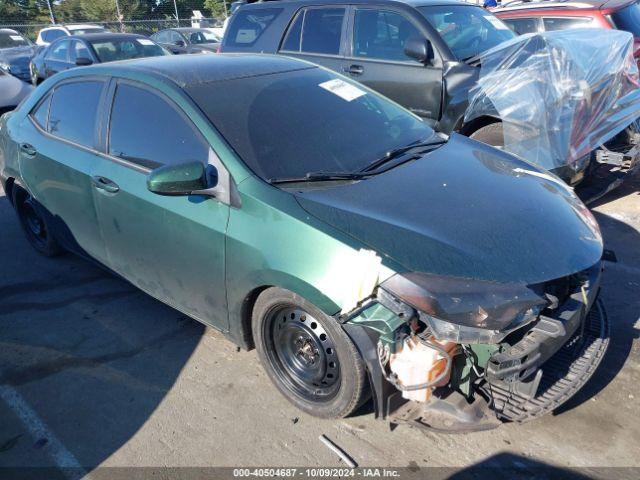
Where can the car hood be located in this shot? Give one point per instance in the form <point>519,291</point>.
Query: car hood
<point>465,210</point>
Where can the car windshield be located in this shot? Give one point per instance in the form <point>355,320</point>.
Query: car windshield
<point>11,40</point>
<point>82,31</point>
<point>467,30</point>
<point>202,36</point>
<point>285,125</point>
<point>125,49</point>
<point>628,19</point>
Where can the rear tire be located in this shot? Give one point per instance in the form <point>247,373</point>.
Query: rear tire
<point>491,134</point>
<point>34,224</point>
<point>307,355</point>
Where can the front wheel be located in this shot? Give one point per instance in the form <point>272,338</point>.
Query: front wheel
<point>307,355</point>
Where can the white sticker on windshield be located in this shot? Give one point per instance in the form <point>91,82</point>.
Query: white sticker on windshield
<point>144,41</point>
<point>17,38</point>
<point>344,90</point>
<point>497,23</point>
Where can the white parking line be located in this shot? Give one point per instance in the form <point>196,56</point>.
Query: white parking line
<point>38,429</point>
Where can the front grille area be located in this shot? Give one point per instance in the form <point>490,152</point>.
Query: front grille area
<point>562,375</point>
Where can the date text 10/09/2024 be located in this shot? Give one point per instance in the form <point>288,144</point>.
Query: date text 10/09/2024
<point>316,472</point>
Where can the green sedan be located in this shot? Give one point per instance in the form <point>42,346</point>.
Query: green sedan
<point>361,253</point>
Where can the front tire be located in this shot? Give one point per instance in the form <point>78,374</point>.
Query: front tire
<point>307,355</point>
<point>491,134</point>
<point>35,225</point>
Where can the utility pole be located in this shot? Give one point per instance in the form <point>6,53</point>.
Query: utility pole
<point>175,6</point>
<point>53,18</point>
<point>119,16</point>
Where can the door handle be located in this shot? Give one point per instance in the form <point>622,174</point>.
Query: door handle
<point>102,183</point>
<point>354,69</point>
<point>28,149</point>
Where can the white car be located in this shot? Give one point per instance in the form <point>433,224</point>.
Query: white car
<point>49,34</point>
<point>12,91</point>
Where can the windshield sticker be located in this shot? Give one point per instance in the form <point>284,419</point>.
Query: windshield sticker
<point>17,38</point>
<point>496,22</point>
<point>144,41</point>
<point>343,89</point>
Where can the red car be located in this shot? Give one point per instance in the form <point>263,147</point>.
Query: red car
<point>539,16</point>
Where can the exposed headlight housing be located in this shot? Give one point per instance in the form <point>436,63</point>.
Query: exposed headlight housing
<point>5,67</point>
<point>464,310</point>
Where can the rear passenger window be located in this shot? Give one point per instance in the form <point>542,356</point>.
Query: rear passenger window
<point>148,131</point>
<point>522,25</point>
<point>248,25</point>
<point>316,30</point>
<point>73,110</point>
<point>551,24</point>
<point>41,113</point>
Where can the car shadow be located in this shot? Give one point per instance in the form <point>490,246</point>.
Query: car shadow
<point>85,358</point>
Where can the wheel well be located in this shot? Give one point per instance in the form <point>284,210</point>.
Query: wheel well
<point>8,189</point>
<point>245,315</point>
<point>476,124</point>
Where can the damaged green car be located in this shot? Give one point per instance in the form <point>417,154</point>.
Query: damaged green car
<point>361,253</point>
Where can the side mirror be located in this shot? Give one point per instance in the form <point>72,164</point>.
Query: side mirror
<point>83,61</point>
<point>183,179</point>
<point>420,49</point>
<point>179,43</point>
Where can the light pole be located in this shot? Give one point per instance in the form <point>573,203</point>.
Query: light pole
<point>175,6</point>
<point>53,19</point>
<point>119,16</point>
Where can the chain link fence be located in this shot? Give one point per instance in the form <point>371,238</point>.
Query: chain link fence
<point>143,27</point>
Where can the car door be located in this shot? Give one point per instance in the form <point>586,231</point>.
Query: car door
<point>317,35</point>
<point>57,57</point>
<point>173,248</point>
<point>57,156</point>
<point>376,57</point>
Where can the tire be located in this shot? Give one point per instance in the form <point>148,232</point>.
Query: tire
<point>35,225</point>
<point>491,134</point>
<point>307,355</point>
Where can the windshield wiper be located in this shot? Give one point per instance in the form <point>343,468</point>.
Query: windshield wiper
<point>397,152</point>
<point>320,177</point>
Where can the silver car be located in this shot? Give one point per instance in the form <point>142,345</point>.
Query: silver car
<point>12,91</point>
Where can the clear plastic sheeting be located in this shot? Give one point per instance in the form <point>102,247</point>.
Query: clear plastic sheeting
<point>559,94</point>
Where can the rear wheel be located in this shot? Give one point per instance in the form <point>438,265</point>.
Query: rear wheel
<point>491,134</point>
<point>34,224</point>
<point>307,355</point>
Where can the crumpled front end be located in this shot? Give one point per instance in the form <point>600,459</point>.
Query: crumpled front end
<point>560,95</point>
<point>456,355</point>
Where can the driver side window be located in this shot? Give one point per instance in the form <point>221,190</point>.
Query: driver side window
<point>149,131</point>
<point>382,34</point>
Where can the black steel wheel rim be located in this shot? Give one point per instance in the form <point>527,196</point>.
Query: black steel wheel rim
<point>33,223</point>
<point>302,354</point>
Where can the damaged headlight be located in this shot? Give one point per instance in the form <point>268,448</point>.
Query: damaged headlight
<point>467,311</point>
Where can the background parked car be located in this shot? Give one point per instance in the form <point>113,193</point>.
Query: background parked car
<point>15,53</point>
<point>12,92</point>
<point>49,34</point>
<point>188,40</point>
<point>82,50</point>
<point>540,16</point>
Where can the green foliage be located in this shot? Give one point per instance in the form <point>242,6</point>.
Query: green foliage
<point>217,7</point>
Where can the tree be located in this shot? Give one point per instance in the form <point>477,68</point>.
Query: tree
<point>217,8</point>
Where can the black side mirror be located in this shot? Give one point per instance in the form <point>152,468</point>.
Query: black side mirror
<point>420,49</point>
<point>83,61</point>
<point>183,179</point>
<point>179,43</point>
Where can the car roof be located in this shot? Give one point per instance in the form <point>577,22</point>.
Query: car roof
<point>187,29</point>
<point>412,3</point>
<point>93,37</point>
<point>560,4</point>
<point>9,30</point>
<point>188,70</point>
<point>82,26</point>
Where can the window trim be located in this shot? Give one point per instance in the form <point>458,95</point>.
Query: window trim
<point>349,52</point>
<point>31,115</point>
<point>303,11</point>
